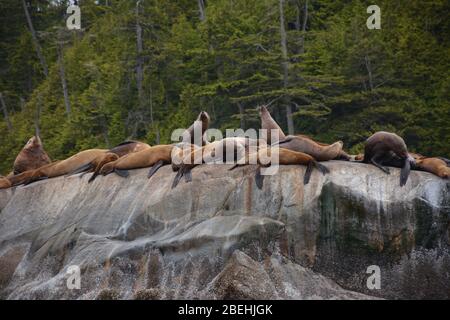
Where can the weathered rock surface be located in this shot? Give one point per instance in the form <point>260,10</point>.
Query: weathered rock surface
<point>221,237</point>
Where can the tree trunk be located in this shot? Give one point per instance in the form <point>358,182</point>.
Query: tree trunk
<point>62,75</point>
<point>35,40</point>
<point>305,21</point>
<point>22,104</point>
<point>140,62</point>
<point>242,113</point>
<point>369,71</point>
<point>201,9</point>
<point>5,113</point>
<point>285,64</point>
<point>37,116</point>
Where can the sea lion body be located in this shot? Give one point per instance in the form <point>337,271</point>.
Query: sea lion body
<point>436,166</point>
<point>127,147</point>
<point>113,154</point>
<point>301,143</point>
<point>387,148</point>
<point>142,159</point>
<point>314,149</point>
<point>269,124</point>
<point>32,156</point>
<point>63,167</point>
<point>231,148</point>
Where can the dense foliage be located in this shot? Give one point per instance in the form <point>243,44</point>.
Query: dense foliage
<point>342,81</point>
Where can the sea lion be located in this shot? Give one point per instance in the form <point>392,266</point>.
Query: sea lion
<point>32,156</point>
<point>383,147</point>
<point>156,156</point>
<point>221,151</point>
<point>285,157</point>
<point>200,125</point>
<point>4,183</point>
<point>160,154</point>
<point>63,167</point>
<point>113,154</point>
<point>309,146</point>
<point>268,123</point>
<point>301,143</point>
<point>129,146</point>
<point>436,166</point>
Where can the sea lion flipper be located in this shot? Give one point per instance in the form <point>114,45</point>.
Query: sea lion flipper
<point>188,175</point>
<point>404,173</point>
<point>31,180</point>
<point>259,178</point>
<point>322,168</point>
<point>122,173</point>
<point>376,164</point>
<point>308,172</point>
<point>83,168</point>
<point>286,140</point>
<point>177,178</point>
<point>93,177</point>
<point>155,168</point>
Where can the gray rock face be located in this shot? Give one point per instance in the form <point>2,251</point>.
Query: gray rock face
<point>220,237</point>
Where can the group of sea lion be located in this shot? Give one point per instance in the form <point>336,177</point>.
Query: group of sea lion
<point>381,149</point>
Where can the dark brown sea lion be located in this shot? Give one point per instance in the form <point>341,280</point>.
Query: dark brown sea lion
<point>32,156</point>
<point>383,147</point>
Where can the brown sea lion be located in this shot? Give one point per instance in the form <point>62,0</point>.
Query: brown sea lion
<point>20,178</point>
<point>383,147</point>
<point>156,156</point>
<point>113,154</point>
<point>309,146</point>
<point>142,159</point>
<point>200,125</point>
<point>436,166</point>
<point>63,167</point>
<point>268,123</point>
<point>231,149</point>
<point>287,157</point>
<point>127,147</point>
<point>301,143</point>
<point>4,183</point>
<point>32,156</point>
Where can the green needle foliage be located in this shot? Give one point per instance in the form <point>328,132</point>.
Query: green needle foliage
<point>344,81</point>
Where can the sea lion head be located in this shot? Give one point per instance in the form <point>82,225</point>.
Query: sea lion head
<point>262,110</point>
<point>34,142</point>
<point>203,116</point>
<point>444,172</point>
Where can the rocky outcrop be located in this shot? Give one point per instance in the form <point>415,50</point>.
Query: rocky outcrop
<point>221,237</point>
